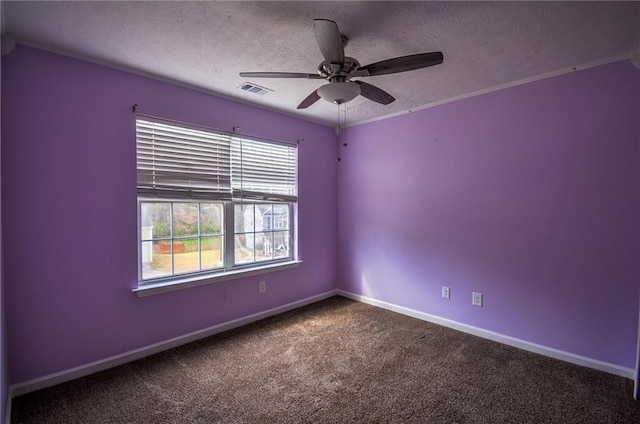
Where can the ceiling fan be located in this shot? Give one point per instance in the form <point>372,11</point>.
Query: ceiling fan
<point>339,69</point>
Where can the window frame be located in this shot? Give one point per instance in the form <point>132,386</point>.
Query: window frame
<point>229,269</point>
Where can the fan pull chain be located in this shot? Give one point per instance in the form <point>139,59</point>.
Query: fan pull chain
<point>341,132</point>
<point>338,158</point>
<point>344,128</point>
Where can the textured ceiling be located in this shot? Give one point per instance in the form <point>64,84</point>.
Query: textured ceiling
<point>206,44</point>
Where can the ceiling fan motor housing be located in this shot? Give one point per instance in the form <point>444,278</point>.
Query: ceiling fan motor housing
<point>327,70</point>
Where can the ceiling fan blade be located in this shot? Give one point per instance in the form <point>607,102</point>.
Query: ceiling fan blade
<point>311,99</point>
<point>329,40</point>
<point>403,63</point>
<point>279,75</point>
<point>374,93</point>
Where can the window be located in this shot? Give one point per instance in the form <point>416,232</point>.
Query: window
<point>210,202</point>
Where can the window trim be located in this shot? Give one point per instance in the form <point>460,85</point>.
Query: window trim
<point>149,289</point>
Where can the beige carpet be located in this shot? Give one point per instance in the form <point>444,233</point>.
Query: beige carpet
<point>338,361</point>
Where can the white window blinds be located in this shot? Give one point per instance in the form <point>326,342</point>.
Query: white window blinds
<point>180,162</point>
<point>190,163</point>
<point>262,170</point>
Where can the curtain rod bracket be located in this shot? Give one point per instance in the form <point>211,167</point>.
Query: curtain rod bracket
<point>134,108</point>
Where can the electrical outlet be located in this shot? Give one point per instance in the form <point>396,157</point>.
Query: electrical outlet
<point>477,299</point>
<point>262,286</point>
<point>445,292</point>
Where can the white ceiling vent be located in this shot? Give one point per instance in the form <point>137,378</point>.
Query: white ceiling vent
<point>255,88</point>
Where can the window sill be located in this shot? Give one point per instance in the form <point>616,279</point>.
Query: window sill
<point>151,289</point>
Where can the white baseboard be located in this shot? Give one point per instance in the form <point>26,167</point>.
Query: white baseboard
<point>497,337</point>
<point>636,386</point>
<point>7,418</point>
<point>113,361</point>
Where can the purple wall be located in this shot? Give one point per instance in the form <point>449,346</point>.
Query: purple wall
<point>69,198</point>
<point>529,195</point>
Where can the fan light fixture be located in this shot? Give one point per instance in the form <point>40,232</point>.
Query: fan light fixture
<point>339,92</point>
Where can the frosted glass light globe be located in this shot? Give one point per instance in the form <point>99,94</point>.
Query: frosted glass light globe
<point>339,92</point>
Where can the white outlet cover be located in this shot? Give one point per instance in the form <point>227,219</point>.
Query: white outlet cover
<point>262,286</point>
<point>477,299</point>
<point>446,292</point>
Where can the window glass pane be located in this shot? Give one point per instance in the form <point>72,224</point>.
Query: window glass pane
<point>281,243</point>
<point>243,218</point>
<point>264,246</point>
<point>156,259</point>
<point>244,248</point>
<point>211,252</point>
<point>186,255</point>
<point>211,221</point>
<point>280,217</point>
<point>262,235</point>
<point>155,220</point>
<point>185,219</point>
